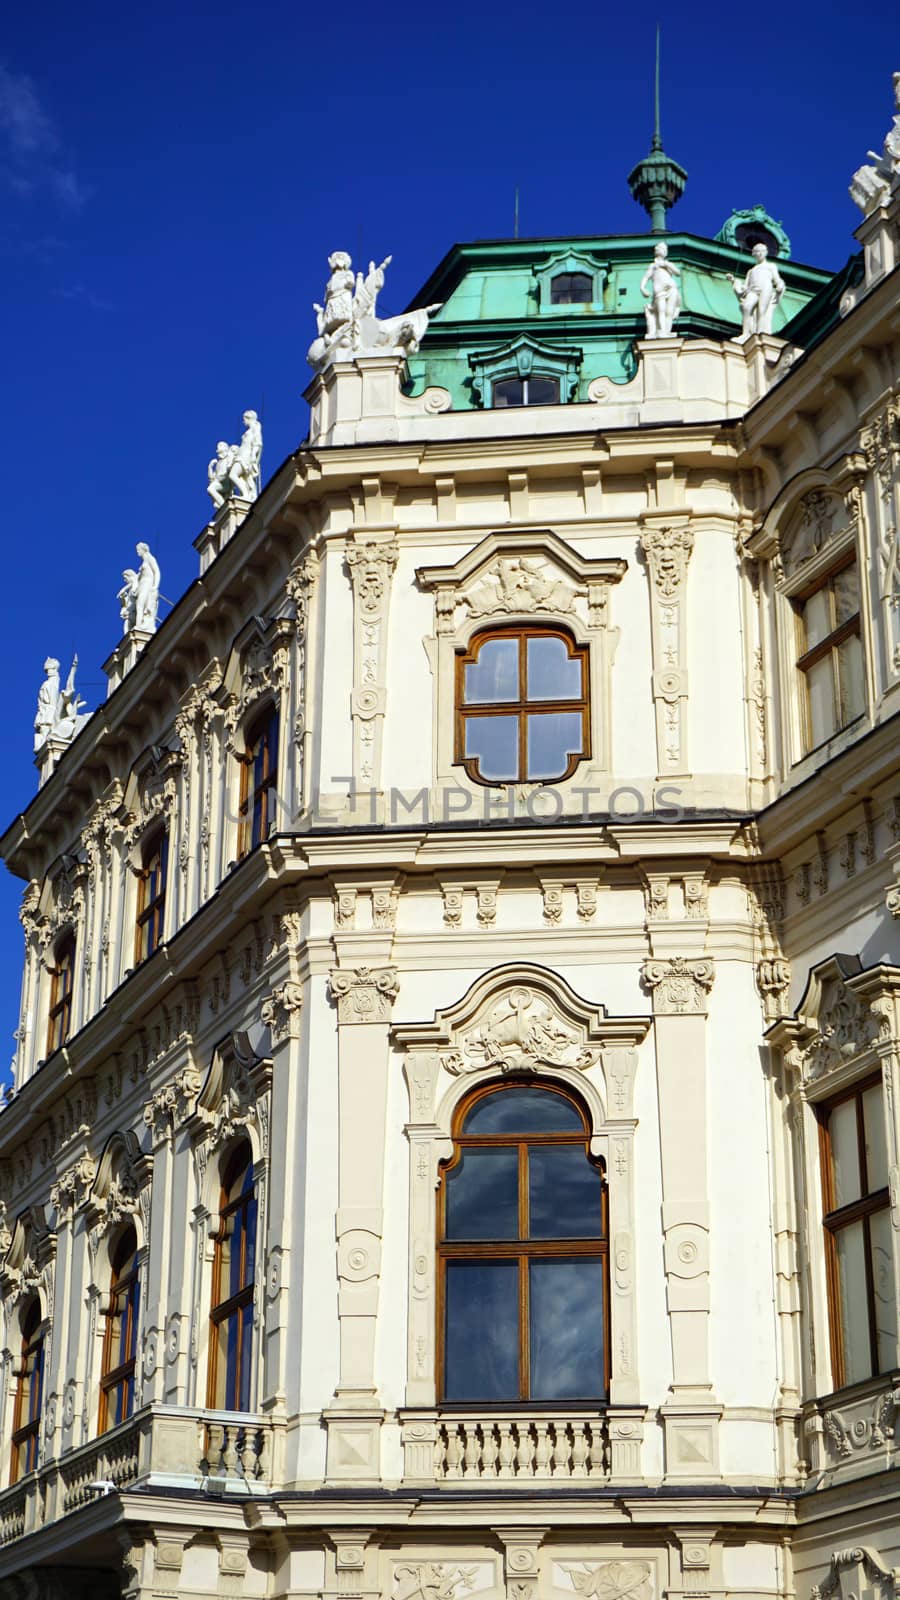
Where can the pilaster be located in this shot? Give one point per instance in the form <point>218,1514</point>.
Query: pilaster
<point>667,543</point>
<point>371,559</point>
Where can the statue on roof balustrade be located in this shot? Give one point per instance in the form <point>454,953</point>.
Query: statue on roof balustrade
<point>871,186</point>
<point>660,289</point>
<point>139,595</point>
<point>759,293</point>
<point>347,326</point>
<point>234,469</point>
<point>60,711</point>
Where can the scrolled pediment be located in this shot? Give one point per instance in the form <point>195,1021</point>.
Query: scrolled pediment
<point>521,575</point>
<point>845,1013</point>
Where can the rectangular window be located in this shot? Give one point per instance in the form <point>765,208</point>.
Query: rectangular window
<point>830,654</point>
<point>59,1021</point>
<point>259,778</point>
<point>152,898</point>
<point>859,1259</point>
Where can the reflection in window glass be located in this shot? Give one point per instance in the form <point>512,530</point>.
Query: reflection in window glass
<point>845,1153</point>
<point>481,1331</point>
<point>483,1195</point>
<point>566,1329</point>
<point>495,675</point>
<point>851,1261</point>
<point>858,1235</point>
<point>523,1110</point>
<point>522,703</point>
<point>564,1194</point>
<point>552,741</point>
<point>552,673</point>
<point>533,391</point>
<point>572,289</point>
<point>830,655</point>
<point>493,742</point>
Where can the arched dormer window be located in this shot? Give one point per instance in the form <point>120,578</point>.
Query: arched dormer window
<point>535,390</point>
<point>259,780</point>
<point>29,1394</point>
<point>523,712</point>
<point>62,977</point>
<point>525,372</point>
<point>234,1268</point>
<point>120,1338</point>
<point>151,904</point>
<point>522,1252</point>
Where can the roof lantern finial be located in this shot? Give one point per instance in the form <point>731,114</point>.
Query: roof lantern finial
<point>657,181</point>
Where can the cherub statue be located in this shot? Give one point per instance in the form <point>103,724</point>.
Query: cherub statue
<point>759,294</point>
<point>659,286</point>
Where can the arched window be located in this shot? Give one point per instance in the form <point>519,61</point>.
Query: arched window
<point>151,909</point>
<point>571,289</point>
<point>234,1267</point>
<point>120,1339</point>
<point>29,1394</point>
<point>259,778</point>
<point>522,705</point>
<point>538,389</point>
<point>59,1022</point>
<point>522,1252</point>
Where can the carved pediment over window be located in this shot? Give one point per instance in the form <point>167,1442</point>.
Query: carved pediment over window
<point>854,1572</point>
<point>521,1018</point>
<point>121,1188</point>
<point>257,666</point>
<point>819,519</point>
<point>567,264</point>
<point>28,1265</point>
<point>845,1014</point>
<point>523,358</point>
<point>811,521</point>
<point>522,575</point>
<point>235,1095</point>
<point>150,790</point>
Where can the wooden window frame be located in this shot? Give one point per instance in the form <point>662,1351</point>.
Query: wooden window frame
<point>151,909</point>
<point>256,807</point>
<point>124,1300</point>
<point>221,1311</point>
<point>522,1249</point>
<point>59,1016</point>
<point>25,1439</point>
<point>828,646</point>
<point>836,1217</point>
<point>521,708</point>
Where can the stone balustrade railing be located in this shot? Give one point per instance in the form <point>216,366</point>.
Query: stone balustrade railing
<point>507,1448</point>
<point>854,1432</point>
<point>160,1444</point>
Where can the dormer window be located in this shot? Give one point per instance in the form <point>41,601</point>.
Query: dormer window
<point>152,896</point>
<point>522,706</point>
<point>59,1021</point>
<point>571,289</point>
<point>533,391</point>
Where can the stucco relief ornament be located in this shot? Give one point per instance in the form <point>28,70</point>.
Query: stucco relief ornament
<point>432,1580</point>
<point>517,584</point>
<point>364,994</point>
<point>613,1580</point>
<point>668,551</point>
<point>679,987</point>
<point>660,289</point>
<point>871,185</point>
<point>759,293</point>
<point>347,324</point>
<point>60,712</point>
<point>139,596</point>
<point>519,1034</point>
<point>234,469</point>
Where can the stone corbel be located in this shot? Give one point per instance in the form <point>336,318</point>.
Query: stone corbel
<point>679,987</point>
<point>371,559</point>
<point>667,543</point>
<point>521,1557</point>
<point>355,1563</point>
<point>696,1559</point>
<point>280,1012</point>
<point>363,994</point>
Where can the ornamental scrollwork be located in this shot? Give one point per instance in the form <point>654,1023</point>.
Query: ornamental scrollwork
<point>680,986</point>
<point>364,994</point>
<point>520,1033</point>
<point>612,1580</point>
<point>668,552</point>
<point>281,1011</point>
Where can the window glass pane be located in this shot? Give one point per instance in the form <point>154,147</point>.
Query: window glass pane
<point>542,391</point>
<point>482,1331</point>
<point>495,675</point>
<point>571,289</point>
<point>553,736</point>
<point>844,1153</point>
<point>494,743</point>
<point>854,1311</point>
<point>552,674</point>
<point>566,1329</point>
<point>242,1397</point>
<point>509,392</point>
<point>885,1292</point>
<point>483,1195</point>
<point>564,1194</point>
<point>523,1110</point>
<point>820,686</point>
<point>846,594</point>
<point>817,617</point>
<point>876,1141</point>
<point>850,679</point>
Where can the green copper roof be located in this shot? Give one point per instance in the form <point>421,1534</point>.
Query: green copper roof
<point>495,294</point>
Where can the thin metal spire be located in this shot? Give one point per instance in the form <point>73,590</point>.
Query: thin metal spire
<point>657,181</point>
<point>657,136</point>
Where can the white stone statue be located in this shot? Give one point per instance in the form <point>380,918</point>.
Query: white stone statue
<point>347,324</point>
<point>871,185</point>
<point>146,591</point>
<point>234,469</point>
<point>759,293</point>
<point>126,598</point>
<point>660,289</point>
<point>59,710</point>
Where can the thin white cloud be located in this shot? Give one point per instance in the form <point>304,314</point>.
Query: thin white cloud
<point>31,152</point>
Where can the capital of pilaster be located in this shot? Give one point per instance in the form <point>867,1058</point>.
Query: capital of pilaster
<point>363,994</point>
<point>678,987</point>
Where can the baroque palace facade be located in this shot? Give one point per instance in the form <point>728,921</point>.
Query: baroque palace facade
<point>455,1143</point>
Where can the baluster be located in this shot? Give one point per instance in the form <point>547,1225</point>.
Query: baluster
<point>440,1452</point>
<point>264,1440</point>
<point>229,1453</point>
<point>453,1451</point>
<point>247,1450</point>
<point>579,1449</point>
<point>507,1450</point>
<point>216,1446</point>
<point>472,1451</point>
<point>595,1454</point>
<point>542,1451</point>
<point>525,1450</point>
<point>489,1450</point>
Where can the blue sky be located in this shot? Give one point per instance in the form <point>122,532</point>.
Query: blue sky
<point>172,179</point>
